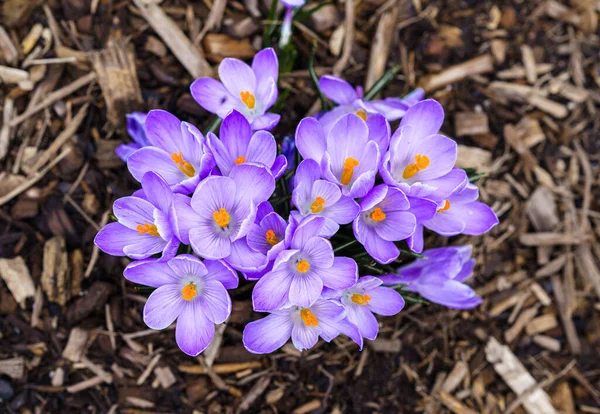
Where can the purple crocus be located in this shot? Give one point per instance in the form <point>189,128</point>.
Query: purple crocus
<point>144,225</point>
<point>219,215</point>
<point>439,277</point>
<point>177,153</point>
<point>237,145</point>
<point>349,156</point>
<point>188,290</point>
<point>249,90</point>
<point>384,218</point>
<point>299,274</point>
<point>350,100</point>
<point>286,26</point>
<point>313,196</point>
<point>420,161</point>
<point>135,129</point>
<point>364,299</point>
<point>324,318</point>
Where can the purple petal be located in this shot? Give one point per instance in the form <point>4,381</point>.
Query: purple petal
<point>466,271</point>
<point>254,183</point>
<point>422,209</point>
<point>341,275</point>
<point>212,194</point>
<point>338,90</point>
<point>266,121</point>
<point>187,265</point>
<point>347,138</point>
<point>114,237</point>
<point>158,191</point>
<point>163,130</point>
<point>381,250</point>
<point>449,293</point>
<point>442,152</point>
<point>379,131</point>
<point>268,334</point>
<point>271,291</point>
<point>245,259</point>
<point>149,272</point>
<point>132,211</point>
<point>194,330</point>
<point>279,166</point>
<point>185,218</point>
<point>145,247</point>
<point>304,337</point>
<point>397,225</point>
<point>342,212</point>
<point>213,96</point>
<point>156,160</point>
<point>426,117</point>
<point>214,301</point>
<point>307,172</point>
<point>305,289</point>
<point>262,149</point>
<point>448,184</point>
<point>237,77</point>
<point>235,133</point>
<point>308,229</point>
<point>375,196</point>
<point>220,271</point>
<point>385,301</point>
<point>319,251</point>
<point>221,154</point>
<point>124,151</point>
<point>310,139</point>
<point>265,67</point>
<point>447,223</point>
<point>164,305</point>
<point>364,320</point>
<point>479,218</point>
<point>135,128</point>
<point>208,244</point>
<point>416,242</point>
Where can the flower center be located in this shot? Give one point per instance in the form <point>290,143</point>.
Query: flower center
<point>377,214</point>
<point>147,228</point>
<point>303,266</point>
<point>221,217</point>
<point>271,238</point>
<point>318,205</point>
<point>184,166</point>
<point>421,162</point>
<point>248,99</point>
<point>446,207</point>
<point>189,292</point>
<point>360,299</point>
<point>349,165</point>
<point>309,318</point>
<point>362,114</point>
<point>240,160</point>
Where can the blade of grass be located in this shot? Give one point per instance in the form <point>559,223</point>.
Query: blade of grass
<point>216,122</point>
<point>270,28</point>
<point>382,82</point>
<point>315,78</point>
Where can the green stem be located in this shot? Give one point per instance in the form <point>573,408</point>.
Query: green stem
<point>343,246</point>
<point>315,78</point>
<point>270,29</point>
<point>382,82</point>
<point>216,122</point>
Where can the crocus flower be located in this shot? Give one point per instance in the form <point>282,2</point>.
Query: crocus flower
<point>286,26</point>
<point>144,225</point>
<point>439,277</point>
<point>237,145</point>
<point>177,153</point>
<point>219,215</point>
<point>460,213</point>
<point>313,196</point>
<point>249,90</point>
<point>364,299</point>
<point>299,274</point>
<point>188,290</point>
<point>420,161</point>
<point>348,157</point>
<point>304,325</point>
<point>384,218</point>
<point>288,148</point>
<point>350,100</point>
<point>135,129</point>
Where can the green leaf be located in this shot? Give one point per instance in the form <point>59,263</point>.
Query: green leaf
<point>382,82</point>
<point>473,175</point>
<point>280,102</point>
<point>216,122</point>
<point>270,27</point>
<point>315,78</point>
<point>287,58</point>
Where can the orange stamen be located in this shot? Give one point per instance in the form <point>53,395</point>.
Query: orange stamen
<point>309,318</point>
<point>221,217</point>
<point>271,238</point>
<point>446,207</point>
<point>240,160</point>
<point>377,214</point>
<point>147,228</point>
<point>360,299</point>
<point>318,205</point>
<point>349,165</point>
<point>303,266</point>
<point>421,162</point>
<point>362,114</point>
<point>189,292</point>
<point>248,99</point>
<point>184,166</point>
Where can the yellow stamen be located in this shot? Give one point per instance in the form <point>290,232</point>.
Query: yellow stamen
<point>147,228</point>
<point>377,214</point>
<point>309,318</point>
<point>189,292</point>
<point>240,160</point>
<point>360,299</point>
<point>221,217</point>
<point>446,207</point>
<point>362,114</point>
<point>248,99</point>
<point>303,266</point>
<point>421,162</point>
<point>272,239</point>
<point>318,205</point>
<point>184,166</point>
<point>349,165</point>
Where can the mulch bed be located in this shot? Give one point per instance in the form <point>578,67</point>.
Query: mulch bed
<point>520,83</point>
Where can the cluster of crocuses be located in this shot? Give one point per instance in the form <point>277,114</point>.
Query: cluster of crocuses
<point>213,196</point>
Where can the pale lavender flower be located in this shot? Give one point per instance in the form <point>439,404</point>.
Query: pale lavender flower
<point>286,26</point>
<point>135,129</point>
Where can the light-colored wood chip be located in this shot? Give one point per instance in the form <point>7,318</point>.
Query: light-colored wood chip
<point>219,46</point>
<point>455,377</point>
<point>380,47</point>
<point>454,404</point>
<point>529,63</point>
<point>165,377</point>
<point>76,344</point>
<point>148,370</point>
<point>547,342</point>
<point>16,275</point>
<point>13,367</point>
<point>227,368</point>
<point>551,239</point>
<point>512,371</point>
<point>471,123</point>
<point>55,273</point>
<point>255,392</point>
<point>473,157</point>
<point>524,318</point>
<point>541,324</point>
<point>308,407</point>
<point>476,66</point>
<point>84,385</point>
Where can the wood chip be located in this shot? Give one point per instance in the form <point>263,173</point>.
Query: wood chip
<point>380,46</point>
<point>530,95</point>
<point>97,369</point>
<point>165,377</point>
<point>455,377</point>
<point>529,63</point>
<point>255,392</point>
<point>541,324</point>
<point>184,50</point>
<point>473,157</point>
<point>551,239</point>
<point>308,407</point>
<point>386,345</point>
<point>454,405</point>
<point>508,366</point>
<point>524,318</point>
<point>16,275</point>
<point>55,273</point>
<point>84,385</point>
<point>218,46</point>
<point>471,123</point>
<point>13,367</point>
<point>8,49</point>
<point>148,370</point>
<point>76,344</point>
<point>220,368</point>
<point>547,342</point>
<point>476,66</point>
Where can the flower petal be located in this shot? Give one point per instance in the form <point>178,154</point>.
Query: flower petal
<point>185,218</point>
<point>304,337</point>
<point>479,218</point>
<point>194,330</point>
<point>310,139</point>
<point>305,289</point>
<point>237,77</point>
<point>187,265</point>
<point>132,211</point>
<point>209,244</point>
<point>254,183</point>
<point>213,96</point>
<point>266,121</point>
<point>262,149</point>
<point>341,275</point>
<point>220,271</point>
<point>271,291</point>
<point>156,160</point>
<point>268,334</point>
<point>164,305</point>
<point>397,225</point>
<point>320,252</point>
<point>426,118</point>
<point>245,259</point>
<point>337,89</point>
<point>150,272</point>
<point>158,191</point>
<point>114,237</point>
<point>385,301</point>
<point>214,301</point>
<point>265,67</point>
<point>364,320</point>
